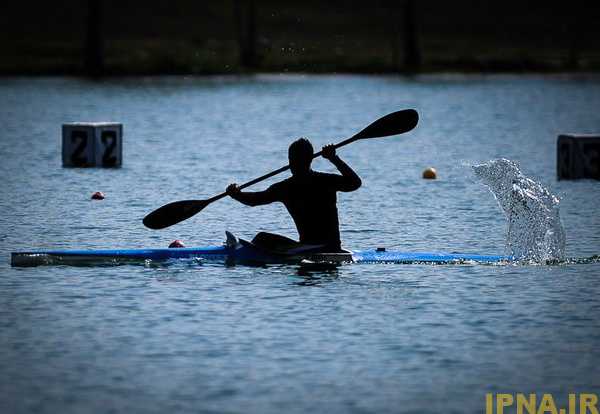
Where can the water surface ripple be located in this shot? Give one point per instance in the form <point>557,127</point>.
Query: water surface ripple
<point>191,337</point>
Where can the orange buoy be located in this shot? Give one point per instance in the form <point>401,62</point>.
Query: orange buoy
<point>430,173</point>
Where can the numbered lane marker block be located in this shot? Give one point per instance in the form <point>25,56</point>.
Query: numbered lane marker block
<point>578,156</point>
<point>92,144</point>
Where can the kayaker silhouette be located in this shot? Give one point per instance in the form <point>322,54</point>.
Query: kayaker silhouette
<point>309,196</point>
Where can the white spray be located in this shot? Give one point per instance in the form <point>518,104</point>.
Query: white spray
<point>535,231</point>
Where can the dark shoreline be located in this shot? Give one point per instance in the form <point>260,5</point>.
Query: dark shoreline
<point>134,38</point>
<point>446,71</point>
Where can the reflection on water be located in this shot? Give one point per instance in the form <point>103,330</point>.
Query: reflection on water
<point>314,274</point>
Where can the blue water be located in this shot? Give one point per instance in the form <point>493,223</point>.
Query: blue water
<point>191,337</point>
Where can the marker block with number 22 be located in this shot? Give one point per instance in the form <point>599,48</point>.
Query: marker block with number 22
<point>92,144</point>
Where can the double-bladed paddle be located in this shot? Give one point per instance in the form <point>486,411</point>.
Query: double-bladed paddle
<point>392,124</point>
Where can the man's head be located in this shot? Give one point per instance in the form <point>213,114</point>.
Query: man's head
<point>300,155</point>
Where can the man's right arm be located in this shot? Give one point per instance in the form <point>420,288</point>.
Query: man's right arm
<point>252,198</point>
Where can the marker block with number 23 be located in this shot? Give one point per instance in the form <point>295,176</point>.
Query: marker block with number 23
<point>92,144</point>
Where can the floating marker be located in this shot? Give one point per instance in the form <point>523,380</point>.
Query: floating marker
<point>92,144</point>
<point>430,173</point>
<point>98,195</point>
<point>578,156</point>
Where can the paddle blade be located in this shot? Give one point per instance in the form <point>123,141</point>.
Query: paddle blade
<point>173,213</point>
<point>392,124</point>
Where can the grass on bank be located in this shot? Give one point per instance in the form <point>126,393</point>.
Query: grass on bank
<point>191,37</point>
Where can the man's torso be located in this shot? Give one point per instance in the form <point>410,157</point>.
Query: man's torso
<point>311,201</point>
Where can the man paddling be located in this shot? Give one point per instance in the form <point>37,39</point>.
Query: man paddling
<point>309,196</point>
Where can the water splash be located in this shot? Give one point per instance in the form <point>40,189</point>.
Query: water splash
<point>535,232</point>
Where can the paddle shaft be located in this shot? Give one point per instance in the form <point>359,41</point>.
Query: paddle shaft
<point>277,171</point>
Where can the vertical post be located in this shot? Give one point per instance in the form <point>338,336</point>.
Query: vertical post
<point>574,27</point>
<point>245,19</point>
<point>412,55</point>
<point>94,54</point>
<point>393,12</point>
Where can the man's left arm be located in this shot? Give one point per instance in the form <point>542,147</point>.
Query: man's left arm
<point>350,180</point>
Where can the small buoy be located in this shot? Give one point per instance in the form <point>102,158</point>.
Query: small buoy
<point>430,173</point>
<point>98,195</point>
<point>176,243</point>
